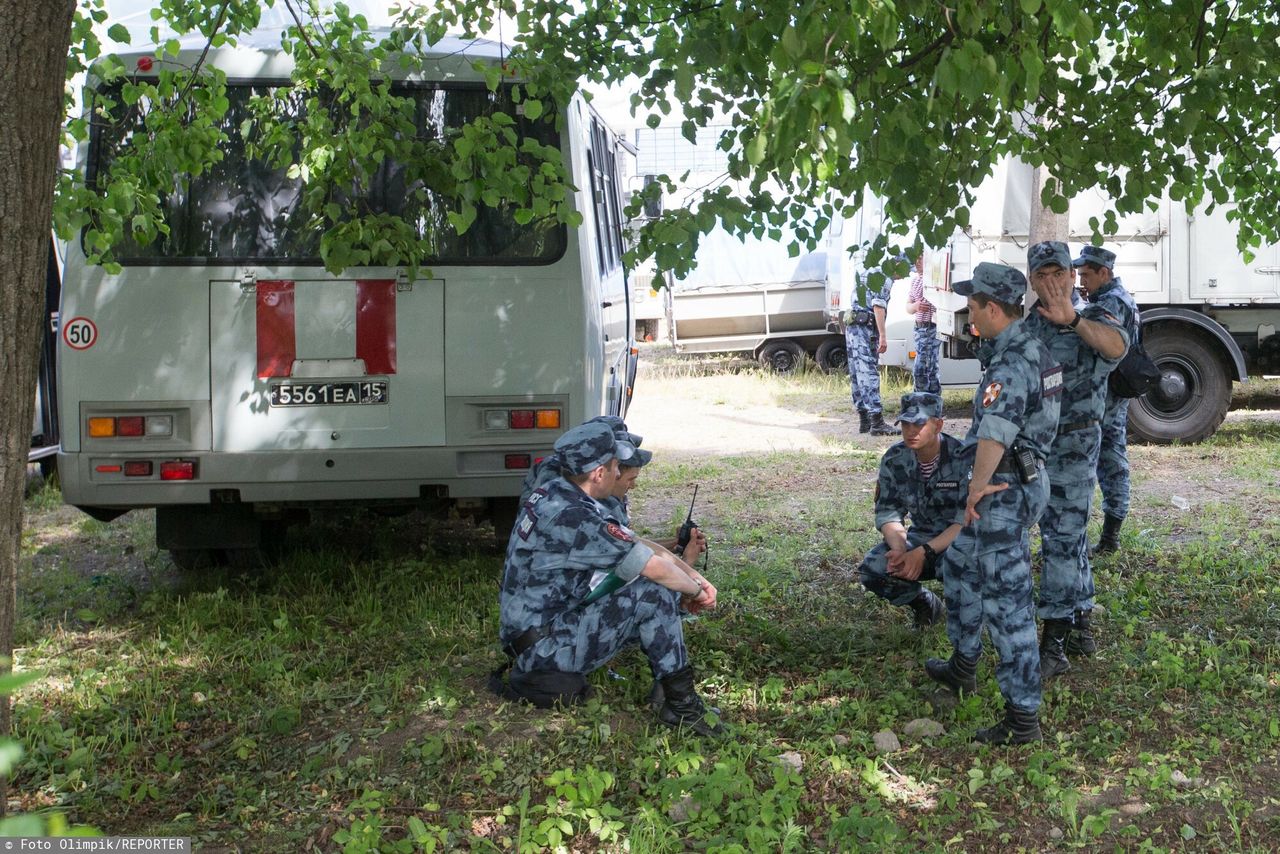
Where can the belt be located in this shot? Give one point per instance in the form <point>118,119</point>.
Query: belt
<point>1005,466</point>
<point>922,323</point>
<point>1077,425</point>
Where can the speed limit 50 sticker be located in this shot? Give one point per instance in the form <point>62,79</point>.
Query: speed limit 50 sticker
<point>80,333</point>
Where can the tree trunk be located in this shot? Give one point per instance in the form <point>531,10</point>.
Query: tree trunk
<point>34,39</point>
<point>1045,224</point>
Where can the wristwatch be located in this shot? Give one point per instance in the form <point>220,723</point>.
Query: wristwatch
<point>1075,321</point>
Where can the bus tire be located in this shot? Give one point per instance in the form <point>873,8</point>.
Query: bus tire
<point>781,357</point>
<point>832,357</point>
<point>1193,394</point>
<point>48,468</point>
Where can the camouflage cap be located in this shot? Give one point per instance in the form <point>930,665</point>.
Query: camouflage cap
<point>639,459</point>
<point>1096,255</point>
<point>1048,252</point>
<point>1001,283</point>
<point>619,428</point>
<point>919,406</point>
<point>589,446</point>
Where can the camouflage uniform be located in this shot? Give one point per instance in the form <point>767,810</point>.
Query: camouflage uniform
<point>932,504</point>
<point>1066,578</point>
<point>1113,457</point>
<point>925,370</point>
<point>563,544</point>
<point>986,573</point>
<point>862,345</point>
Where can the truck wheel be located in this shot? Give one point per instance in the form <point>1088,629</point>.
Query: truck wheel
<point>781,357</point>
<point>832,357</point>
<point>1193,394</point>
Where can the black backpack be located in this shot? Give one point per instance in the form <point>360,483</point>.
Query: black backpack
<point>1135,375</point>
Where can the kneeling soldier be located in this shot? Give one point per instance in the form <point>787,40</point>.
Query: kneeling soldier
<point>926,478</point>
<point>561,547</point>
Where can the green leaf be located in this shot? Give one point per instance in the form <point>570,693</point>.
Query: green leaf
<point>756,150</point>
<point>119,33</point>
<point>532,109</point>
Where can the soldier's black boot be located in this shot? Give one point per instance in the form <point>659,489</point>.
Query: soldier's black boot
<point>1110,540</point>
<point>682,707</point>
<point>879,428</point>
<point>927,608</point>
<point>1018,727</point>
<point>1081,640</point>
<point>1053,654</point>
<point>864,421</point>
<point>957,674</point>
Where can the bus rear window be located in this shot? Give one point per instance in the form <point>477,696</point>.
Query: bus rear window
<point>246,209</point>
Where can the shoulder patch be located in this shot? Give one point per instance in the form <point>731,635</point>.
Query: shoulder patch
<point>619,533</point>
<point>1051,381</point>
<point>991,393</point>
<point>525,526</point>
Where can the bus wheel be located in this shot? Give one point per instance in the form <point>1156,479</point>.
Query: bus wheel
<point>782,357</point>
<point>1193,394</point>
<point>48,469</point>
<point>832,356</point>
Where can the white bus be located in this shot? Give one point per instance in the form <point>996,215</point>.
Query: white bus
<point>226,379</point>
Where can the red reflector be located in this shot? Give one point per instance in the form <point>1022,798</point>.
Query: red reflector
<point>107,469</point>
<point>517,461</point>
<point>137,468</point>
<point>521,419</point>
<point>178,470</point>
<point>132,425</point>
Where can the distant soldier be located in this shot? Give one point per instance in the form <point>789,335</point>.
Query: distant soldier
<point>925,372</point>
<point>562,545</point>
<point>1096,268</point>
<point>986,573</point>
<point>864,340</point>
<point>925,477</point>
<point>1088,343</point>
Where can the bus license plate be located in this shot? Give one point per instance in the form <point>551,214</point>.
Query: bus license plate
<point>329,394</point>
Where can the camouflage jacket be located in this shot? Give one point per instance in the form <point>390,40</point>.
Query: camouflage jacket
<point>932,504</point>
<point>1019,396</point>
<point>560,545</point>
<point>1084,369</point>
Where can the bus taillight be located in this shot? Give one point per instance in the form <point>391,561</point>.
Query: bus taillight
<point>178,470</point>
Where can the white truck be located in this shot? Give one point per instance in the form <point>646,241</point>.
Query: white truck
<point>1208,316</point>
<point>752,296</point>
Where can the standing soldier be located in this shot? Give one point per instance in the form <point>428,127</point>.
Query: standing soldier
<point>923,477</point>
<point>986,573</point>
<point>925,371</point>
<point>1096,268</point>
<point>1088,344</point>
<point>864,341</point>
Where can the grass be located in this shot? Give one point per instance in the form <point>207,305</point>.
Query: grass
<point>338,702</point>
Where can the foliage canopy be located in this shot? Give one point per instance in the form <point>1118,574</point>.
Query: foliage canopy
<point>825,101</point>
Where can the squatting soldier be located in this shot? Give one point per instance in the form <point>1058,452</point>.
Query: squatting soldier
<point>547,469</point>
<point>1096,268</point>
<point>561,545</point>
<point>864,341</point>
<point>986,574</point>
<point>616,506</point>
<point>924,477</point>
<point>1088,343</point>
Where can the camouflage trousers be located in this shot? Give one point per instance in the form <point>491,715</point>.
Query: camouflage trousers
<point>925,371</point>
<point>1113,458</point>
<point>986,578</point>
<point>861,344</point>
<point>1066,578</point>
<point>585,639</point>
<point>875,576</point>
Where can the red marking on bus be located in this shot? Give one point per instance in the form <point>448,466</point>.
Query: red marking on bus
<point>277,345</point>
<point>376,325</point>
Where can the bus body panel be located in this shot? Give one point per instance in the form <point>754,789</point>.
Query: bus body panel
<point>472,343</point>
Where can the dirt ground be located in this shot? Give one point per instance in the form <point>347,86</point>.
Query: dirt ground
<point>688,415</point>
